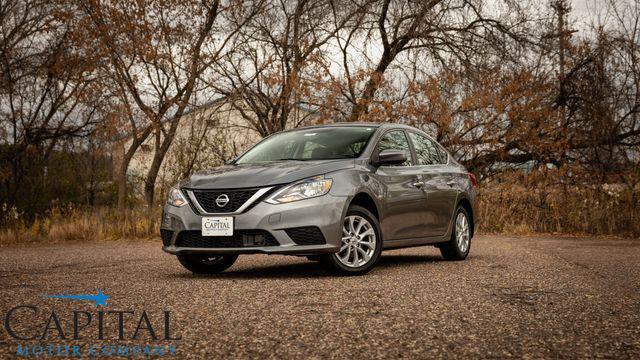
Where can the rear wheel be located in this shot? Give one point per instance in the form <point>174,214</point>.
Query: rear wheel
<point>361,244</point>
<point>458,247</point>
<point>207,264</point>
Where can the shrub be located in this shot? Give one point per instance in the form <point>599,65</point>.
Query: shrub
<point>548,203</point>
<point>82,224</point>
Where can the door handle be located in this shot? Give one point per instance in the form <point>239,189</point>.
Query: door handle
<point>451,183</point>
<point>418,184</point>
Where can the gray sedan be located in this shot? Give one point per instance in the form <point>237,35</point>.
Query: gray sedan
<point>338,194</point>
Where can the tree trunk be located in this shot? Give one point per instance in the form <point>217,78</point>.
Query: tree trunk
<point>122,186</point>
<point>158,156</point>
<point>122,176</point>
<point>362,105</point>
<point>149,187</point>
<point>124,166</point>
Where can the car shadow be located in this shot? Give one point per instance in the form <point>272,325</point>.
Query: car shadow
<point>398,260</point>
<point>308,269</point>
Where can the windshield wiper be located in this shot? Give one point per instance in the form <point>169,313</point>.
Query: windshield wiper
<point>295,159</point>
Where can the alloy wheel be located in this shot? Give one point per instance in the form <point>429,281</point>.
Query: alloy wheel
<point>358,241</point>
<point>462,232</point>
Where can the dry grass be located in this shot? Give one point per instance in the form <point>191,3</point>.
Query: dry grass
<point>507,207</point>
<point>75,224</point>
<point>593,209</point>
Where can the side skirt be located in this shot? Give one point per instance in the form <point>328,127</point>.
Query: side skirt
<point>404,243</point>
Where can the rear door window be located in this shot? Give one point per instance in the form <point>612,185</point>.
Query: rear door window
<point>428,152</point>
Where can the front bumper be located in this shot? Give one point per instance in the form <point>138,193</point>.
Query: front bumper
<point>324,212</point>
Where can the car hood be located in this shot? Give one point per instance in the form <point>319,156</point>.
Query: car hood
<point>264,174</point>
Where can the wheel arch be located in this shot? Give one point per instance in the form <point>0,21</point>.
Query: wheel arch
<point>466,204</point>
<point>366,201</point>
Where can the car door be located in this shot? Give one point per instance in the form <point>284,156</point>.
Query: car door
<point>403,198</point>
<point>438,181</point>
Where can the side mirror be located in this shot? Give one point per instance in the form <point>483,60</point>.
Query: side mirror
<point>390,157</point>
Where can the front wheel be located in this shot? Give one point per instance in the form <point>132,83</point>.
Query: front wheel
<point>361,244</point>
<point>458,247</point>
<point>206,264</point>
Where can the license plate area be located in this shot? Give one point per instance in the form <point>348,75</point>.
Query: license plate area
<point>217,226</point>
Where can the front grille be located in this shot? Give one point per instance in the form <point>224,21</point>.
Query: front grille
<point>308,235</point>
<point>207,199</point>
<point>166,236</point>
<point>240,238</point>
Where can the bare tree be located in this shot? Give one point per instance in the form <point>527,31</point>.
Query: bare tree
<point>158,51</point>
<point>280,59</point>
<point>48,90</point>
<point>498,115</point>
<point>438,30</point>
<point>133,129</point>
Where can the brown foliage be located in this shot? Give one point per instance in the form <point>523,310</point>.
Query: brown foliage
<point>80,224</point>
<point>544,202</point>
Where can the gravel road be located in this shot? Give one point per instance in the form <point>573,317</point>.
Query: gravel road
<point>513,297</point>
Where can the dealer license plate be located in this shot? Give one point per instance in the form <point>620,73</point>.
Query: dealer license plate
<point>217,226</point>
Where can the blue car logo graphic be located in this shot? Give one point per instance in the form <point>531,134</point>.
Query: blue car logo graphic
<point>99,299</point>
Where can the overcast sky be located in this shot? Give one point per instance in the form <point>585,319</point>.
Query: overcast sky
<point>585,11</point>
<point>582,11</point>
<point>580,7</point>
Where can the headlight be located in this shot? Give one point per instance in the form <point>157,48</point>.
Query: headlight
<point>176,198</point>
<point>309,188</point>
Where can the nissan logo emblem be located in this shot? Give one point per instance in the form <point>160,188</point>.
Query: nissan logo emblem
<point>222,200</point>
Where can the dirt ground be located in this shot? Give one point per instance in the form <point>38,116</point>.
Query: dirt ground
<point>527,297</point>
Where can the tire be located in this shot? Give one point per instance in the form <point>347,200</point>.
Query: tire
<point>455,249</point>
<point>207,264</point>
<point>361,251</point>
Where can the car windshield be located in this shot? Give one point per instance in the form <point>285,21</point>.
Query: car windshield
<point>334,142</point>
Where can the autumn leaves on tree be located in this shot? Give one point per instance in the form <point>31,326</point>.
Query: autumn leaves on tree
<point>502,84</point>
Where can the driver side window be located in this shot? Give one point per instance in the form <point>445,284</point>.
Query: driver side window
<point>396,140</point>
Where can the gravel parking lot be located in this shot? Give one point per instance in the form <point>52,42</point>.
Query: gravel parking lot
<point>513,297</point>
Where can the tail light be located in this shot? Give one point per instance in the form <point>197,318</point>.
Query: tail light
<point>472,178</point>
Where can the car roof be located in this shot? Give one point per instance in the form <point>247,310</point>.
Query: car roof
<point>358,124</point>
